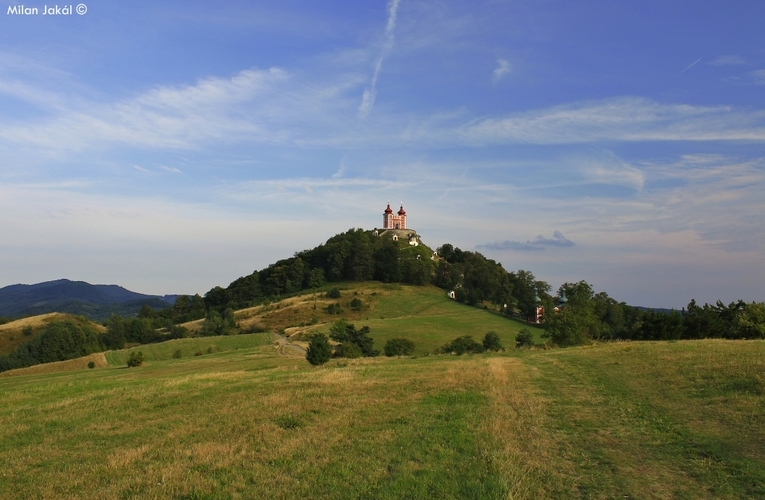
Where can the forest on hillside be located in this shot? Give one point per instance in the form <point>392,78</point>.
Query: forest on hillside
<point>574,316</point>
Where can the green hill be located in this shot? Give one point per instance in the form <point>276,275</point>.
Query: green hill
<point>242,417</point>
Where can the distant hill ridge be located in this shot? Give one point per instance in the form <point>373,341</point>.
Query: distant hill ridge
<point>75,297</point>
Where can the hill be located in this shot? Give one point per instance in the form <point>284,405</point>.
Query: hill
<point>95,302</point>
<point>14,333</point>
<point>236,417</point>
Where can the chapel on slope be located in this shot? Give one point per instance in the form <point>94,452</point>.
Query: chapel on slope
<point>397,221</point>
<point>394,226</point>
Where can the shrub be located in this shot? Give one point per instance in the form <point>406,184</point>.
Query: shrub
<point>342,331</point>
<point>462,345</point>
<point>91,364</point>
<point>334,309</point>
<point>524,338</point>
<point>356,304</point>
<point>333,293</point>
<point>491,342</point>
<point>177,354</point>
<point>27,331</point>
<point>319,351</point>
<point>347,350</point>
<point>135,359</point>
<point>198,353</point>
<point>399,347</point>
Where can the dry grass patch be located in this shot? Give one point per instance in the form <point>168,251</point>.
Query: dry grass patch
<point>97,358</point>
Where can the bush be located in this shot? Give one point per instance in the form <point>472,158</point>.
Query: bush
<point>491,342</point>
<point>342,331</point>
<point>91,364</point>
<point>198,353</point>
<point>333,293</point>
<point>27,331</point>
<point>334,309</point>
<point>177,354</point>
<point>347,350</point>
<point>135,359</point>
<point>399,347</point>
<point>462,345</point>
<point>524,338</point>
<point>319,351</point>
<point>356,304</point>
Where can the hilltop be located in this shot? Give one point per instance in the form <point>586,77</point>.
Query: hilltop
<point>96,302</point>
<point>15,333</point>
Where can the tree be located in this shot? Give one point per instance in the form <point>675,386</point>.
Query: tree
<point>319,351</point>
<point>576,322</point>
<point>462,345</point>
<point>135,359</point>
<point>750,323</point>
<point>524,338</point>
<point>491,342</point>
<point>347,350</point>
<point>399,347</point>
<point>342,331</point>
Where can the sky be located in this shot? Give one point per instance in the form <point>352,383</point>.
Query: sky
<point>170,147</point>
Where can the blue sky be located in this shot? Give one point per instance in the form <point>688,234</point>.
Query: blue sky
<point>171,148</point>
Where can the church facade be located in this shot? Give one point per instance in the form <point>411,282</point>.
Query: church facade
<point>394,226</point>
<point>394,221</point>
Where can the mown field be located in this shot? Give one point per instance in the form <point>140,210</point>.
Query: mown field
<point>242,419</point>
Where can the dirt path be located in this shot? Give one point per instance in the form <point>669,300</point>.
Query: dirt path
<point>284,347</point>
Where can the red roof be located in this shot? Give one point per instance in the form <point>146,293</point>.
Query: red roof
<point>388,210</point>
<point>401,210</point>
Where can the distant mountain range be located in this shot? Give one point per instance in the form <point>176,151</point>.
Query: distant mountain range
<point>96,302</point>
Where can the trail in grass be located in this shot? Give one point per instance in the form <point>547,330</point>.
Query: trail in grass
<point>637,428</point>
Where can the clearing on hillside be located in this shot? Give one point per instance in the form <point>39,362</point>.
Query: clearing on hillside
<point>621,420</point>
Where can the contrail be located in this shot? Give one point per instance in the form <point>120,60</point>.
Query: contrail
<point>689,67</point>
<point>368,99</point>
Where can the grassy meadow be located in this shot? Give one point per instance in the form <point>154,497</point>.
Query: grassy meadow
<point>244,419</point>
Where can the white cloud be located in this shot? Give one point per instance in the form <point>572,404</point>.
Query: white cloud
<point>370,93</point>
<point>257,106</point>
<point>728,60</point>
<point>758,76</point>
<point>620,119</point>
<point>503,68</point>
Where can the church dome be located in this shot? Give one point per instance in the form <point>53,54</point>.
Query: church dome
<point>388,210</point>
<point>401,210</point>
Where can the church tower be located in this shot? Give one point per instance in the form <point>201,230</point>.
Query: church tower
<point>394,221</point>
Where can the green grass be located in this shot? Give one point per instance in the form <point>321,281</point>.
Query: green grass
<point>189,347</point>
<point>621,420</point>
<point>430,319</point>
<point>680,420</point>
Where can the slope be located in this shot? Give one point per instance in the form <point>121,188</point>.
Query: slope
<point>616,420</point>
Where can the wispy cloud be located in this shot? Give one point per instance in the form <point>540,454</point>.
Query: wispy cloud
<point>370,93</point>
<point>537,244</point>
<point>728,60</point>
<point>619,119</point>
<point>172,170</point>
<point>694,63</point>
<point>758,76</point>
<point>257,106</point>
<point>503,68</point>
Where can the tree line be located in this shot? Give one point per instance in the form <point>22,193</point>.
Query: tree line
<point>57,341</point>
<point>587,316</point>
